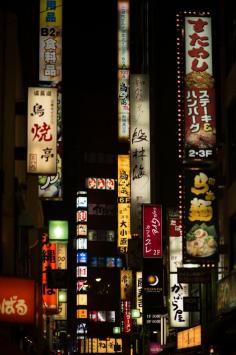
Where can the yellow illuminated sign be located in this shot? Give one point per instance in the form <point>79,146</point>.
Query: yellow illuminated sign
<point>81,299</point>
<point>123,202</point>
<point>125,284</point>
<point>189,338</point>
<point>50,14</point>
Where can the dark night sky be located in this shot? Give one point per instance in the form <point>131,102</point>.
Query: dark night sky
<point>91,30</point>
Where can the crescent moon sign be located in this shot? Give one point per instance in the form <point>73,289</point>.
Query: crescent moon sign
<point>154,283</point>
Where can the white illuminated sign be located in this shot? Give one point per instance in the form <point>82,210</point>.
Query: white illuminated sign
<point>42,131</point>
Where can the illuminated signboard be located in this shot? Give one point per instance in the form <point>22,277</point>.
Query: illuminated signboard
<point>61,256</point>
<point>50,68</point>
<point>226,293</point>
<point>175,241</point>
<point>81,201</point>
<point>58,231</point>
<point>49,261</point>
<point>81,271</point>
<point>82,299</point>
<point>50,186</point>
<point>127,317</point>
<point>99,346</point>
<point>178,318</point>
<point>50,74</point>
<point>139,296</point>
<point>81,257</point>
<point>199,95</point>
<point>62,312</point>
<point>140,148</point>
<point>17,300</point>
<point>42,131</point>
<point>123,202</point>
<point>152,290</point>
<point>81,230</point>
<point>123,69</point>
<point>152,231</point>
<point>123,34</point>
<point>123,104</point>
<point>81,243</point>
<point>189,338</point>
<point>200,236</point>
<point>126,284</point>
<point>100,183</point>
<point>81,216</point>
<point>82,313</point>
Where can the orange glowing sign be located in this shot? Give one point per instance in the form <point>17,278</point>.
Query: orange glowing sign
<point>50,295</point>
<point>82,313</point>
<point>17,300</point>
<point>189,338</point>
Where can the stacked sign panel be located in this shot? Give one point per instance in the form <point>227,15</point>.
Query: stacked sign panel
<point>200,111</point>
<point>177,290</point>
<point>50,75</point>
<point>197,109</point>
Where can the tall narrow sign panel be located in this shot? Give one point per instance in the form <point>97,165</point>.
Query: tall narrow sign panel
<point>152,231</point>
<point>50,41</point>
<point>49,261</point>
<point>50,75</point>
<point>175,240</point>
<point>178,318</point>
<point>199,95</point>
<point>139,296</point>
<point>140,148</point>
<point>123,104</point>
<point>123,202</point>
<point>123,34</point>
<point>123,69</point>
<point>200,227</point>
<point>42,130</point>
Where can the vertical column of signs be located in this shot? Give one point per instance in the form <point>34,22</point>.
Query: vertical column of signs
<point>152,266</point>
<point>81,263</point>
<point>50,75</point>
<point>198,107</point>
